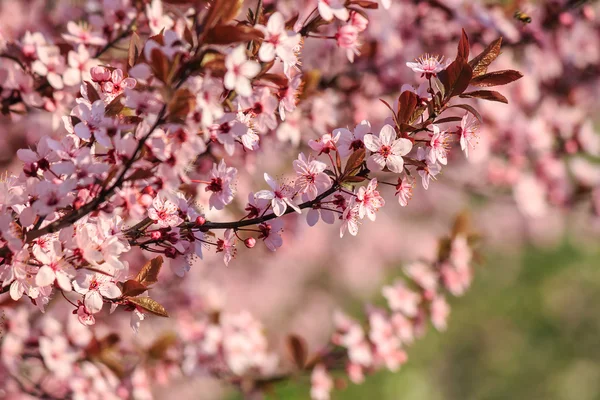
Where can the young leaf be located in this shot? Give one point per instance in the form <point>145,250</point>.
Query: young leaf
<point>496,78</point>
<point>160,65</point>
<point>132,288</point>
<point>149,304</point>
<point>135,49</point>
<point>463,46</point>
<point>298,350</point>
<point>481,63</point>
<point>354,161</point>
<point>371,5</point>
<point>456,77</point>
<point>227,34</point>
<point>92,93</point>
<point>407,103</point>
<point>485,95</point>
<point>115,106</point>
<point>149,272</point>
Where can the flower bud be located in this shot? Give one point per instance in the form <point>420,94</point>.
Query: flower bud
<point>100,74</point>
<point>156,235</point>
<point>347,36</point>
<point>250,242</point>
<point>200,220</point>
<point>170,252</point>
<point>358,21</point>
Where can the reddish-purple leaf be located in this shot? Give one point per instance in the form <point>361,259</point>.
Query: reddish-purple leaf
<point>407,103</point>
<point>496,78</point>
<point>227,34</point>
<point>298,350</point>
<point>482,61</point>
<point>132,288</point>
<point>149,272</point>
<point>456,77</point>
<point>354,161</point>
<point>485,95</point>
<point>92,93</point>
<point>135,49</point>
<point>463,46</point>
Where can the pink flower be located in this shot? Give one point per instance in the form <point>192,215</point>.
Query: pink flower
<point>369,201</point>
<point>157,20</point>
<point>92,123</point>
<point>428,172</point>
<point>94,286</point>
<point>330,8</point>
<point>82,34</point>
<point>387,150</point>
<point>116,85</point>
<point>164,213</point>
<point>349,141</point>
<point>240,71</point>
<point>321,383</point>
<point>440,310</point>
<point>326,143</point>
<point>227,245</point>
<point>80,64</point>
<point>468,129</point>
<point>347,38</point>
<point>280,196</point>
<point>439,146</point>
<point>404,190</point>
<point>429,65</point>
<point>402,299</point>
<point>54,267</point>
<point>311,179</point>
<point>357,20</point>
<point>221,179</point>
<point>84,315</point>
<point>350,220</point>
<point>270,233</point>
<point>278,42</point>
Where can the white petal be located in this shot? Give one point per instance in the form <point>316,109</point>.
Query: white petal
<point>45,276</point>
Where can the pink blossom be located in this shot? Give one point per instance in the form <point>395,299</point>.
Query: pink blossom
<point>467,130</point>
<point>311,178</point>
<point>227,246</point>
<point>277,41</point>
<point>240,71</point>
<point>440,310</point>
<point>280,196</point>
<point>347,38</point>
<point>333,8</point>
<point>439,146</point>
<point>350,219</point>
<point>82,34</point>
<point>430,171</point>
<point>387,150</point>
<point>326,143</point>
<point>164,213</point>
<point>404,190</point>
<point>402,299</point>
<point>351,141</point>
<point>270,233</point>
<point>157,19</point>
<point>94,286</point>
<point>429,65</point>
<point>221,179</point>
<point>321,383</point>
<point>54,267</point>
<point>369,200</point>
<point>358,21</point>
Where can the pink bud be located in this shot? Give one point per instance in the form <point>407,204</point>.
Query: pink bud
<point>200,220</point>
<point>347,36</point>
<point>100,74</point>
<point>170,252</point>
<point>156,235</point>
<point>250,242</point>
<point>358,21</point>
